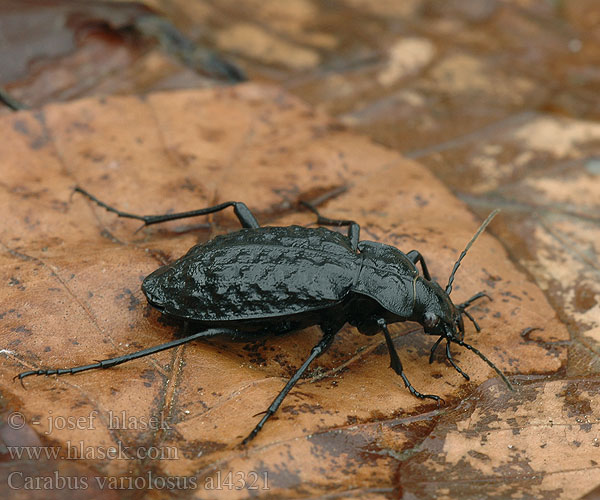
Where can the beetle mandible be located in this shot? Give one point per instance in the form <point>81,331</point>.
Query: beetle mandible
<point>279,279</point>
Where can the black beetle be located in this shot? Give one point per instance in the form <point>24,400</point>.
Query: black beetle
<point>279,279</point>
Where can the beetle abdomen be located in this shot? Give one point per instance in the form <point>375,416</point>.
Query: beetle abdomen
<point>257,273</point>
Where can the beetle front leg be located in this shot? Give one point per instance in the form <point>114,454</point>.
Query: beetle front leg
<point>462,307</point>
<point>453,363</point>
<point>415,256</point>
<point>396,364</point>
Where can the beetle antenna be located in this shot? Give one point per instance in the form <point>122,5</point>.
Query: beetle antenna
<point>480,354</point>
<point>464,252</point>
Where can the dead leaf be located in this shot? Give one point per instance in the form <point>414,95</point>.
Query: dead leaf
<point>512,444</point>
<point>72,275</point>
<point>74,49</point>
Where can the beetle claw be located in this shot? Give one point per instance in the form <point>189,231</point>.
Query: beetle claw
<point>439,400</point>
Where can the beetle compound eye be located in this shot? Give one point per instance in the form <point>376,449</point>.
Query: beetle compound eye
<point>430,320</point>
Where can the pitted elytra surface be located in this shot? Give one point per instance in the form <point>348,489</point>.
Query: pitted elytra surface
<point>256,273</point>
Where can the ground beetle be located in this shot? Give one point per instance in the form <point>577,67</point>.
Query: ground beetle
<point>279,279</point>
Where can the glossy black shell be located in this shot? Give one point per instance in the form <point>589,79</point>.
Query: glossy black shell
<point>256,273</point>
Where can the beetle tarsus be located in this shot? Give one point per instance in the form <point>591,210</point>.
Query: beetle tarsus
<point>108,363</point>
<point>418,394</point>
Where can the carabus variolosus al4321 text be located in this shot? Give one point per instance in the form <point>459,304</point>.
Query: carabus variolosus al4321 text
<point>279,279</point>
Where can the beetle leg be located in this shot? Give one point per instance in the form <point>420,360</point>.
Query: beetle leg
<point>396,364</point>
<point>434,347</point>
<point>415,256</point>
<point>462,307</point>
<point>353,227</point>
<point>468,315</point>
<point>477,296</point>
<point>107,363</point>
<point>317,350</point>
<point>240,209</point>
<point>456,367</point>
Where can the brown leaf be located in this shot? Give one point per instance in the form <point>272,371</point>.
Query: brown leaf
<point>72,275</point>
<point>511,444</point>
<point>73,49</point>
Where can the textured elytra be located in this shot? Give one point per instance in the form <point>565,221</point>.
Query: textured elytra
<point>257,273</point>
<point>272,272</point>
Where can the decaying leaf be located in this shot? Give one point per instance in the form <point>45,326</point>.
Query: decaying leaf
<point>72,275</point>
<point>74,49</point>
<point>512,444</point>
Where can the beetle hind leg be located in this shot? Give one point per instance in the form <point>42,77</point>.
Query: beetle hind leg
<point>242,212</point>
<point>107,363</point>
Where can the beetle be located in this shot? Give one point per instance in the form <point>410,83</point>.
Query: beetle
<point>280,279</point>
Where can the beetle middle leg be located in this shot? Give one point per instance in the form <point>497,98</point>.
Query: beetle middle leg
<point>240,209</point>
<point>107,363</point>
<point>317,350</point>
<point>353,227</point>
<point>396,364</point>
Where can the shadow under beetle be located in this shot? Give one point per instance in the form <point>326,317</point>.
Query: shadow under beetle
<point>279,279</point>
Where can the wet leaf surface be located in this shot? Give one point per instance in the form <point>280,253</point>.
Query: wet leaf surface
<point>511,444</point>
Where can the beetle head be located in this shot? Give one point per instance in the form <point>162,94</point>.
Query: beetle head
<point>439,314</point>
<point>434,309</point>
<point>436,312</point>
